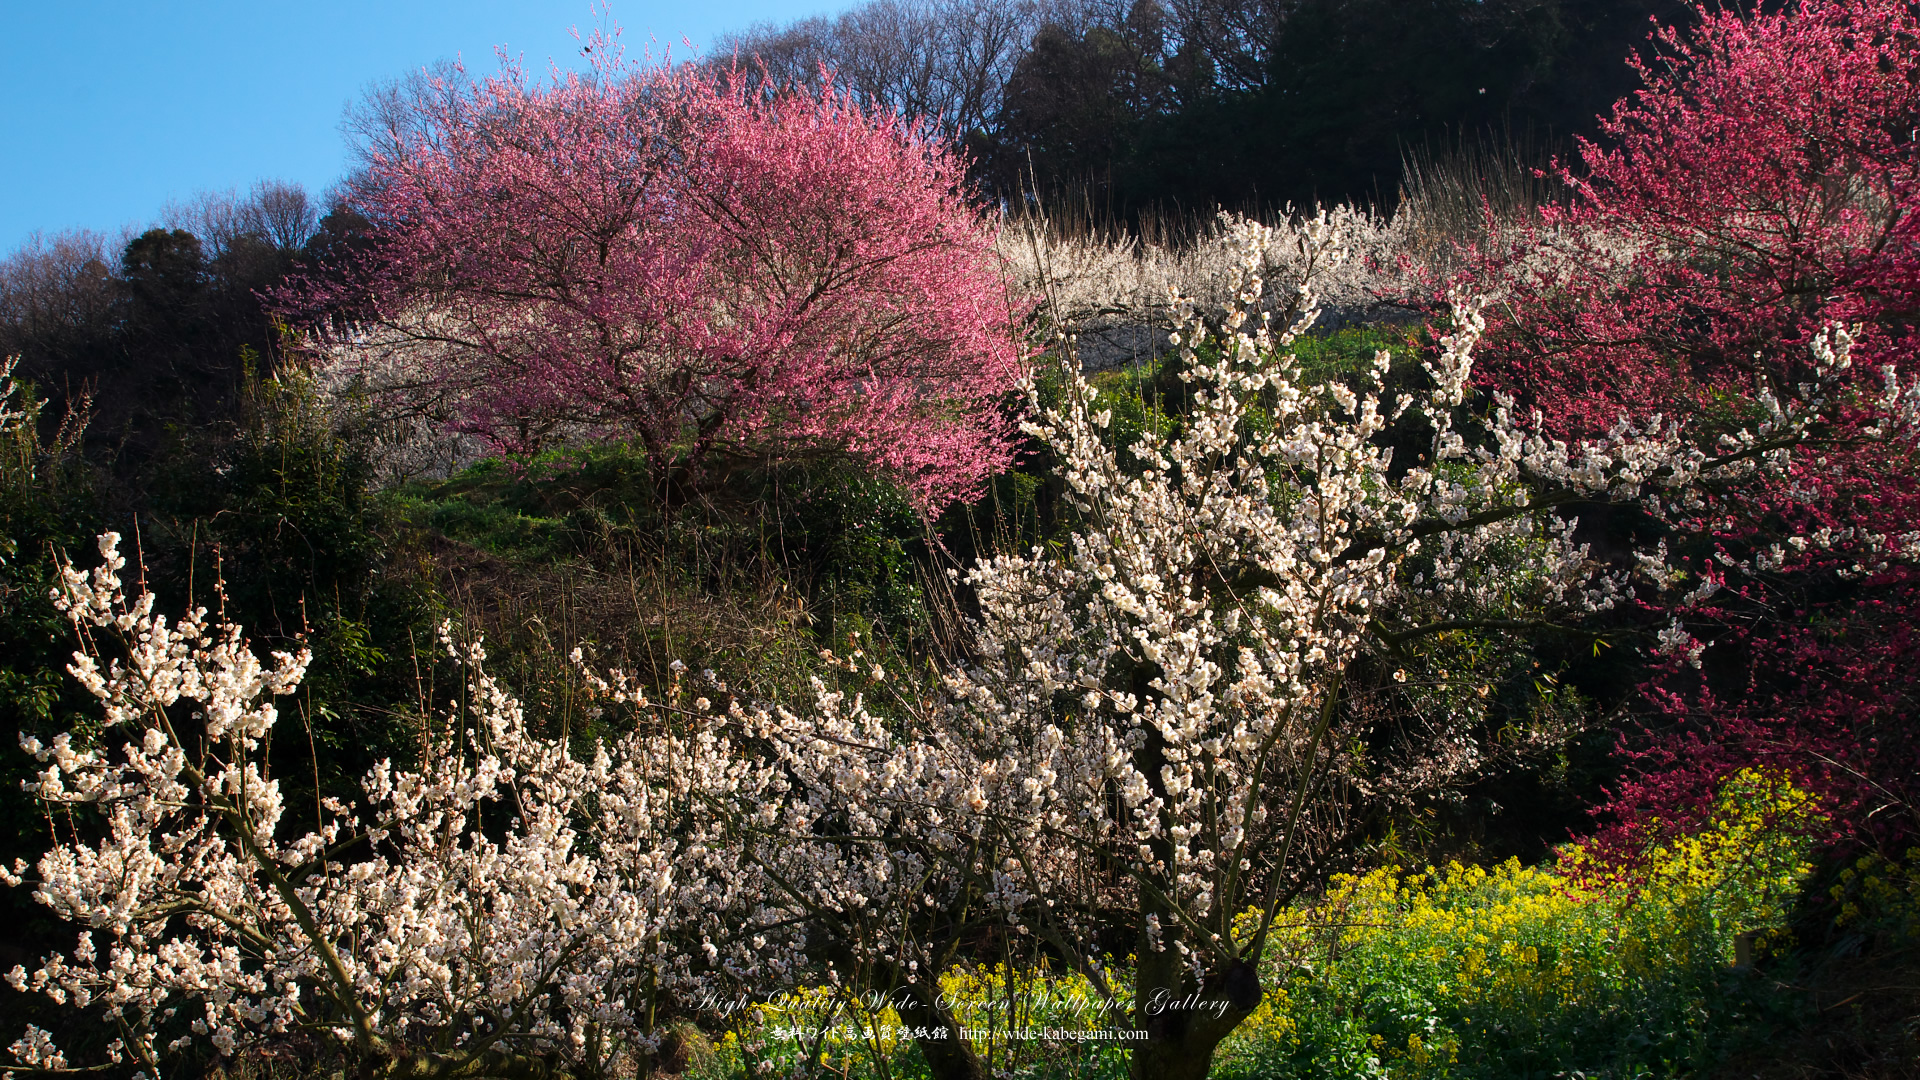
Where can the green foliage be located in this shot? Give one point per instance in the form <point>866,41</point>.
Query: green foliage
<point>1878,895</point>
<point>1022,1024</point>
<point>1348,352</point>
<point>843,538</point>
<point>47,501</point>
<point>284,512</point>
<point>282,509</point>
<point>1156,397</point>
<point>750,571</point>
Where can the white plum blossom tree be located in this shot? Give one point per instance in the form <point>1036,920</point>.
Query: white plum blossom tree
<point>1140,759</point>
<point>501,910</point>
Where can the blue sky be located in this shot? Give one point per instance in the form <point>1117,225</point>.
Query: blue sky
<point>110,108</point>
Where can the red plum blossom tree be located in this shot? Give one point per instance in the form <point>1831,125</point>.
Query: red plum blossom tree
<point>1759,191</point>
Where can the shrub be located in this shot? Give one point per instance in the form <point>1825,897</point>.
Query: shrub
<point>1457,971</point>
<point>1131,760</point>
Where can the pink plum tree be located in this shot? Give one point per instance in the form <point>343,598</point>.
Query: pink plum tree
<point>671,257</point>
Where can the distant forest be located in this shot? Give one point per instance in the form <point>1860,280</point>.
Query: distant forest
<point>1198,104</point>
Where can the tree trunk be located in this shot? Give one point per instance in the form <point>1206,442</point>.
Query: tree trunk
<point>1184,1019</point>
<point>950,1056</point>
<point>1186,1022</point>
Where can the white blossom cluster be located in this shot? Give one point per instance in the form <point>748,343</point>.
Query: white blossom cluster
<point>380,376</point>
<point>1153,695</point>
<point>11,414</point>
<point>1155,710</point>
<point>505,902</point>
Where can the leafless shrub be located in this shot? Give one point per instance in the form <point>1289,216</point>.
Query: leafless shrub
<point>1451,198</point>
<point>944,61</point>
<point>384,119</point>
<point>1114,289</point>
<point>53,289</point>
